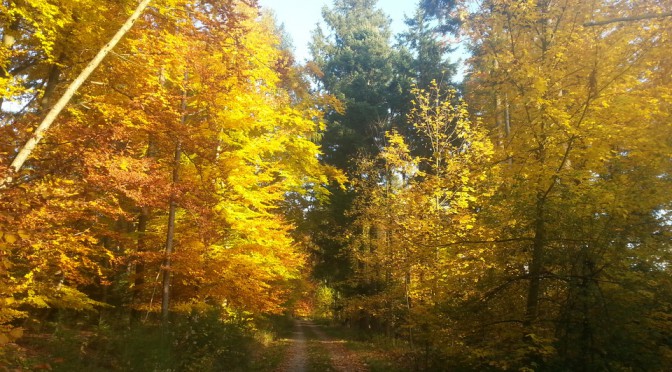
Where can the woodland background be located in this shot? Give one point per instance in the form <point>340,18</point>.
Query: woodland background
<point>201,184</point>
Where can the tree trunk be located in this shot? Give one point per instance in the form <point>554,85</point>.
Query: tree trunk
<point>72,89</point>
<point>536,265</point>
<point>170,235</point>
<point>50,86</point>
<point>139,280</point>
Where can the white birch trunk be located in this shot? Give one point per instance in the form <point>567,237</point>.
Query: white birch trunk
<point>28,148</point>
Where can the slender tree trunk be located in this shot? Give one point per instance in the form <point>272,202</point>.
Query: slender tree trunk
<point>139,281</point>
<point>72,89</point>
<point>170,235</point>
<point>50,86</point>
<point>536,265</point>
<point>143,220</point>
<point>507,116</point>
<point>407,290</point>
<point>585,295</point>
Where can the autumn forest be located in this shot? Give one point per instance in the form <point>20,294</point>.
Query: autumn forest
<point>200,190</point>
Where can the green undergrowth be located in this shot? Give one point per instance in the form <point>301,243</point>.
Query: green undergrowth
<point>202,342</point>
<point>271,344</point>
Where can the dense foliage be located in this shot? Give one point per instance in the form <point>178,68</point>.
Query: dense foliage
<point>186,139</point>
<point>522,223</point>
<point>516,221</point>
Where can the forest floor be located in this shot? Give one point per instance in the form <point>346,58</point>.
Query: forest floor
<point>311,349</point>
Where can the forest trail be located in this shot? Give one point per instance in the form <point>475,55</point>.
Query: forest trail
<point>298,356</point>
<point>342,359</point>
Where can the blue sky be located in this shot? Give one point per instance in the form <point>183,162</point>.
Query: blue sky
<point>300,17</point>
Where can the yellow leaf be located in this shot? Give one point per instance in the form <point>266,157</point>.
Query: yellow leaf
<point>23,234</point>
<point>10,238</point>
<point>124,164</point>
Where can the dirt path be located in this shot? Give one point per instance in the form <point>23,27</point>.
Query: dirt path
<point>302,347</point>
<point>341,358</point>
<point>296,359</point>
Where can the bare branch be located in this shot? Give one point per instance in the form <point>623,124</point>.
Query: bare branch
<point>627,19</point>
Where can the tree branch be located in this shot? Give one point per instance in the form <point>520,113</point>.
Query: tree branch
<point>521,239</point>
<point>627,19</point>
<point>74,86</point>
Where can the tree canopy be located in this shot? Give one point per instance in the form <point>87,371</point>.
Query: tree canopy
<point>515,220</point>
